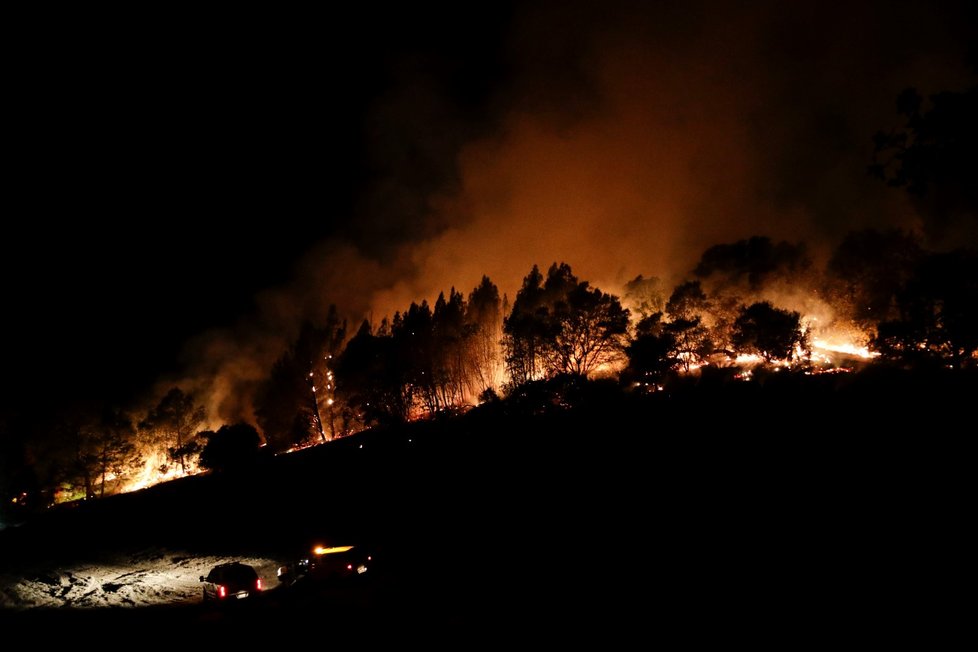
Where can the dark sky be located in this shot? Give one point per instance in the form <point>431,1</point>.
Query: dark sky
<point>168,169</point>
<point>165,169</point>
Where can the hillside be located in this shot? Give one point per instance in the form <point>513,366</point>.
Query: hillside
<point>746,496</point>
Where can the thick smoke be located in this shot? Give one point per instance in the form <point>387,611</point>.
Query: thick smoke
<point>624,140</point>
<point>635,140</point>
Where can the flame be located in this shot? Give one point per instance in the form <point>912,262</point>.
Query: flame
<point>847,348</point>
<point>320,550</point>
<point>149,474</point>
<point>748,359</point>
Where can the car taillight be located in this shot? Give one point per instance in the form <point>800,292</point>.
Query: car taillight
<point>349,567</point>
<point>258,584</point>
<point>222,591</point>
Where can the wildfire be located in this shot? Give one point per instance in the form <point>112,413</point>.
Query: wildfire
<point>748,360</point>
<point>847,348</point>
<point>151,472</point>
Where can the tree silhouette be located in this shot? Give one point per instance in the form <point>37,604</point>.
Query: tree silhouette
<point>232,447</point>
<point>690,337</point>
<point>321,346</point>
<point>485,319</point>
<point>90,446</point>
<point>113,445</point>
<point>561,325</point>
<point>868,269</point>
<point>176,418</point>
<point>591,330</point>
<point>758,261</point>
<point>938,312</point>
<point>652,353</point>
<point>374,382</point>
<point>767,331</point>
<point>932,156</point>
<point>527,330</point>
<point>452,364</point>
<point>296,403</point>
<point>284,404</point>
<point>413,335</point>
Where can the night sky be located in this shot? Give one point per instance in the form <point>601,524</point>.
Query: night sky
<point>384,155</point>
<point>141,148</point>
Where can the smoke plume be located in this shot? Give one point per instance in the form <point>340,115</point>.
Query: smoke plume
<point>624,140</point>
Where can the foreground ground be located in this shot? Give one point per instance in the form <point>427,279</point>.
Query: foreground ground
<point>732,508</point>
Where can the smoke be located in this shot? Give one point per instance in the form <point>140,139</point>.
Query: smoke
<point>632,140</point>
<point>624,140</point>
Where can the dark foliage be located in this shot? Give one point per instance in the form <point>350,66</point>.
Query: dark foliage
<point>231,448</point>
<point>756,261</point>
<point>767,331</point>
<point>933,157</point>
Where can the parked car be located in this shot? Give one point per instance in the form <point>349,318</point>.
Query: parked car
<point>231,581</point>
<point>329,563</point>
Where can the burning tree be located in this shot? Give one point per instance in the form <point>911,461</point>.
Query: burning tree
<point>644,296</point>
<point>526,331</point>
<point>176,419</point>
<point>88,451</point>
<point>374,388</point>
<point>686,307</point>
<point>484,316</point>
<point>297,403</point>
<point>113,441</point>
<point>562,326</point>
<point>452,350</point>
<point>321,347</point>
<point>591,330</point>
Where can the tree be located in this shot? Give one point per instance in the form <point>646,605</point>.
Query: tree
<point>938,312</point>
<point>175,418</point>
<point>284,404</point>
<point>375,387</point>
<point>526,330</point>
<point>758,261</point>
<point>869,268</point>
<point>767,331</point>
<point>451,349</point>
<point>232,447</point>
<point>562,325</point>
<point>932,156</point>
<point>320,346</point>
<point>690,337</point>
<point>413,340</point>
<point>591,330</point>
<point>296,402</point>
<point>112,445</point>
<point>651,353</point>
<point>485,319</point>
<point>90,447</point>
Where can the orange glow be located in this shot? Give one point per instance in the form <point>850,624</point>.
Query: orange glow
<point>847,348</point>
<point>748,359</point>
<point>320,550</point>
